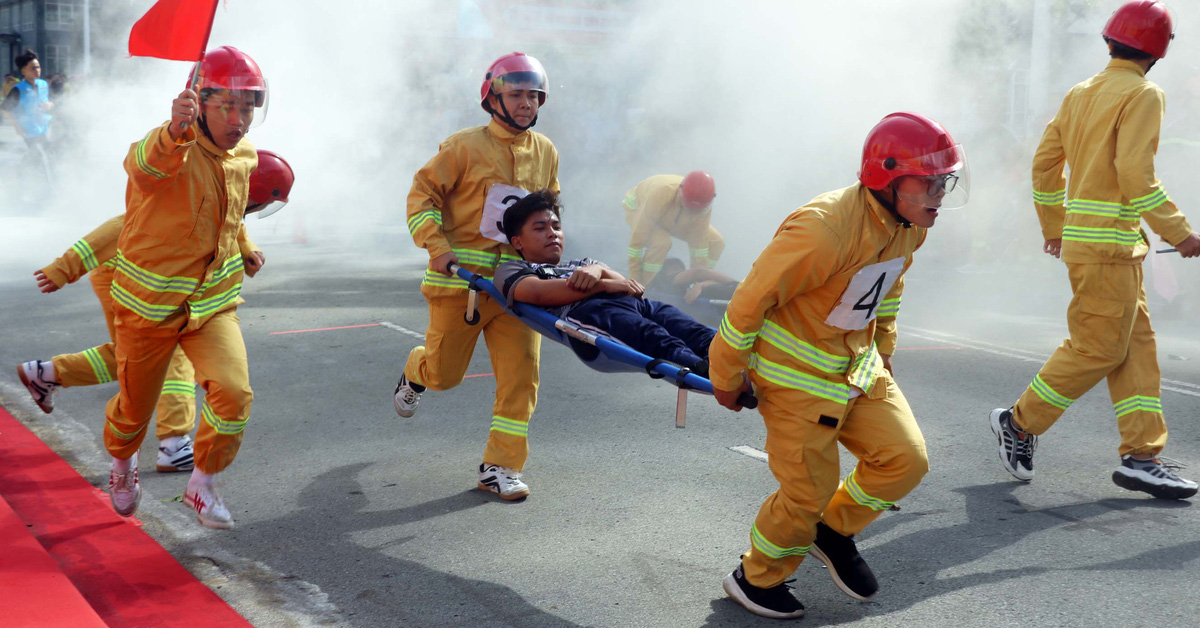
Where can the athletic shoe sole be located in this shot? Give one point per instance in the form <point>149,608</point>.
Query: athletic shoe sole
<point>999,432</point>
<point>833,575</point>
<point>734,591</point>
<point>509,498</point>
<point>29,387</point>
<point>214,524</point>
<point>402,412</point>
<point>170,468</point>
<point>1157,490</point>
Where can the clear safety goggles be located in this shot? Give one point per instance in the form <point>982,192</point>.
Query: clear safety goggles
<point>265,209</point>
<point>254,100</point>
<point>514,81</point>
<point>949,189</point>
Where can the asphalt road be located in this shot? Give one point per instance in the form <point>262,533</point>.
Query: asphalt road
<point>348,515</point>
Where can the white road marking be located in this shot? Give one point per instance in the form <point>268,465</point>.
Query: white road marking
<point>1173,385</point>
<point>403,330</point>
<point>747,450</point>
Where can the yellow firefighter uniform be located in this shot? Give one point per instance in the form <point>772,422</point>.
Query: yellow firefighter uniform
<point>1107,132</point>
<point>177,284</point>
<point>654,208</point>
<point>94,255</point>
<point>445,214</point>
<point>809,324</point>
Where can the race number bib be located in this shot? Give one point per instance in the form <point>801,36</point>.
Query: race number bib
<point>499,198</point>
<point>868,288</point>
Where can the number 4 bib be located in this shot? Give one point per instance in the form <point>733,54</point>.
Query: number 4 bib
<point>869,286</point>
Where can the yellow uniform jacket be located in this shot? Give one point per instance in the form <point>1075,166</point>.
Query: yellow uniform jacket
<point>658,204</point>
<point>1107,132</point>
<point>99,248</point>
<point>178,250</point>
<point>446,203</point>
<point>820,303</point>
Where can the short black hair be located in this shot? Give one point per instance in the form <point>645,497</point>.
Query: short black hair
<point>519,212</point>
<point>25,58</point>
<point>1121,51</point>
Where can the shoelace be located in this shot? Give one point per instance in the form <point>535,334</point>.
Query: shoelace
<point>123,481</point>
<point>410,395</point>
<point>1170,463</point>
<point>1024,446</point>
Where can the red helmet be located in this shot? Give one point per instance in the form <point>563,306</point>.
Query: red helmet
<point>1143,25</point>
<point>697,189</point>
<point>906,143</point>
<point>270,184</point>
<point>229,68</point>
<point>515,70</point>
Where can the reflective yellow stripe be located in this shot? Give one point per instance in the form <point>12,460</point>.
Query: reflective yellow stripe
<point>154,282</point>
<point>222,426</point>
<point>651,268</point>
<point>1138,403</point>
<point>1050,198</point>
<point>86,254</point>
<point>227,270</point>
<point>867,368</point>
<point>889,307</point>
<point>860,496</point>
<point>434,278</point>
<point>122,435</point>
<point>807,353</point>
<point>1102,235</point>
<point>733,337</point>
<point>211,305</point>
<point>140,307</point>
<point>1149,201</point>
<point>99,368</point>
<point>772,550</point>
<point>1049,395</point>
<point>423,217</point>
<point>179,387</point>
<point>630,201</point>
<point>143,165</point>
<point>791,378</point>
<point>510,426</point>
<point>637,252</point>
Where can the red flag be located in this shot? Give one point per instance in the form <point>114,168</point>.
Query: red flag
<point>173,29</point>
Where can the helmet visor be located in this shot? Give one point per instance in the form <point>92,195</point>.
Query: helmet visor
<point>265,209</point>
<point>514,81</point>
<point>946,176</point>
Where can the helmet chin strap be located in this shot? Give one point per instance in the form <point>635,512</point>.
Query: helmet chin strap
<point>890,205</point>
<point>508,119</point>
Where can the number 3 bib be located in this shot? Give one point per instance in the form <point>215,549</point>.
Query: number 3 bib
<point>499,198</point>
<point>869,286</point>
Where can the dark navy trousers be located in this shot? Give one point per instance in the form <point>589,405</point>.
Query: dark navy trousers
<point>654,328</point>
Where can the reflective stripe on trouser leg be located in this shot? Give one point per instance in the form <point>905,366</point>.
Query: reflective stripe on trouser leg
<point>1100,320</point>
<point>883,434</point>
<point>218,354</point>
<point>143,355</point>
<point>1135,387</point>
<point>513,348</point>
<point>175,414</point>
<point>97,365</point>
<point>658,247</point>
<point>804,459</point>
<point>442,361</point>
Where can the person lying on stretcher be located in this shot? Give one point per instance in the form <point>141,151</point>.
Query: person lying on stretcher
<point>589,292</point>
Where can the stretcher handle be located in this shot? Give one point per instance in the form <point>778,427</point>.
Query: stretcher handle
<point>747,400</point>
<point>471,316</point>
<point>1170,250</point>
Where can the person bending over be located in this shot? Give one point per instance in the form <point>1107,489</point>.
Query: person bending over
<point>589,292</point>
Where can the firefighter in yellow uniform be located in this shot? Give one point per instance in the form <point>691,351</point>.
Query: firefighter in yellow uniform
<point>668,206</point>
<point>454,208</point>
<point>1094,224</point>
<point>179,274</point>
<point>94,255</point>
<point>814,325</point>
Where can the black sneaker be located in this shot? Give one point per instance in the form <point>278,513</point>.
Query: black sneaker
<point>1154,477</point>
<point>849,571</point>
<point>776,602</point>
<point>1016,446</point>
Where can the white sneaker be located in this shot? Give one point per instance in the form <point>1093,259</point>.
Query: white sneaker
<point>41,389</point>
<point>124,490</point>
<point>178,460</point>
<point>502,480</point>
<point>209,507</point>
<point>407,397</point>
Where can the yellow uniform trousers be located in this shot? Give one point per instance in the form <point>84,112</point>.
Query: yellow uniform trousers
<point>449,343</point>
<point>218,355</point>
<point>1110,337</point>
<point>803,455</point>
<point>176,412</point>
<point>658,248</point>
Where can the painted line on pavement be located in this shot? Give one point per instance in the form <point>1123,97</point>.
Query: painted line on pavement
<point>305,331</point>
<point>1173,385</point>
<point>403,330</point>
<point>752,452</point>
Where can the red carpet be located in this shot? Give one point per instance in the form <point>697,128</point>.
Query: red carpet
<point>125,576</point>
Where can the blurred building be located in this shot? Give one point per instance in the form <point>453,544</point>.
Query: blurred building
<point>54,29</point>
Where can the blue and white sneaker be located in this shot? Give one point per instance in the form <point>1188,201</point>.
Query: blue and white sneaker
<point>1154,477</point>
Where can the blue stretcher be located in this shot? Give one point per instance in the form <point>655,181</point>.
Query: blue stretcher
<point>598,352</point>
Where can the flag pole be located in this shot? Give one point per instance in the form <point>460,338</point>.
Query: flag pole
<point>195,80</point>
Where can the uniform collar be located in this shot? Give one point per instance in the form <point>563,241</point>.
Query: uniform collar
<point>496,130</point>
<point>1125,64</point>
<point>208,145</point>
<point>881,213</point>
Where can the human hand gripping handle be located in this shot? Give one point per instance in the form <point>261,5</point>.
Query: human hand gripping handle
<point>443,262</point>
<point>185,109</point>
<point>735,400</point>
<point>1190,247</point>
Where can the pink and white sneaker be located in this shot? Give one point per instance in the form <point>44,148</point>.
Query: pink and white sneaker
<point>124,490</point>
<point>41,388</point>
<point>210,509</point>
